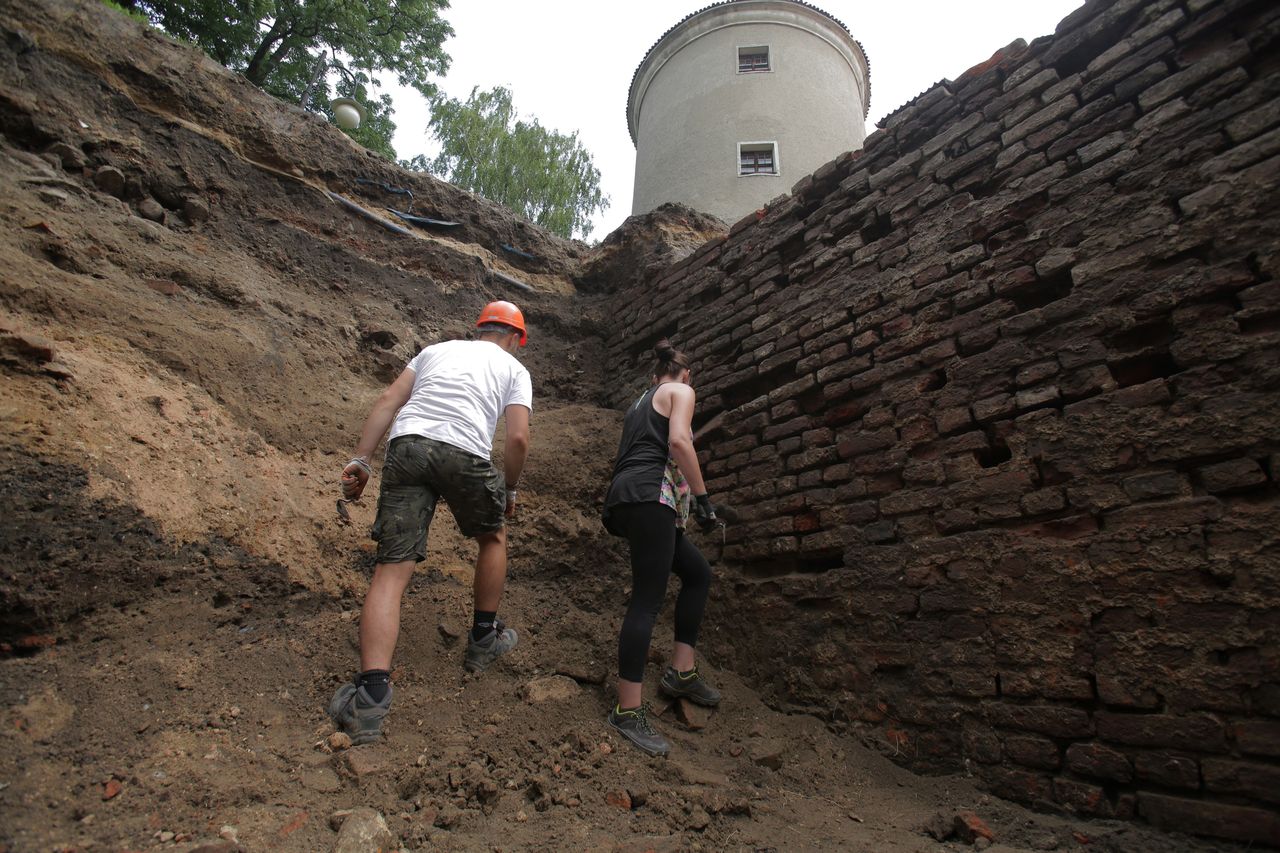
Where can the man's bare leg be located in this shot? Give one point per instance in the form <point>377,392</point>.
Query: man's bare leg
<point>380,617</point>
<point>491,570</point>
<point>491,577</point>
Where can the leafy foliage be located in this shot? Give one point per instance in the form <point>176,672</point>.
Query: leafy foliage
<point>276,45</point>
<point>127,10</point>
<point>546,176</point>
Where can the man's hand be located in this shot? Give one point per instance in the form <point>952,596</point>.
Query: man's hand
<point>354,478</point>
<point>510,511</point>
<point>704,513</point>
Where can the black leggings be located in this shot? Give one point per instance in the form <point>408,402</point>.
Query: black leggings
<point>658,548</point>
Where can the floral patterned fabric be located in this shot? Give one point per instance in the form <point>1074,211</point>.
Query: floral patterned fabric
<point>676,492</point>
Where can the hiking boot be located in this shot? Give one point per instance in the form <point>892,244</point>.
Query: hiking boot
<point>355,712</point>
<point>481,653</point>
<point>692,687</point>
<point>634,726</point>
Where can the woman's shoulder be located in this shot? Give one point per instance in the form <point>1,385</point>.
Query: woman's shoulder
<point>676,390</point>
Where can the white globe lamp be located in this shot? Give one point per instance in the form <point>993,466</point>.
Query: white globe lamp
<point>347,113</point>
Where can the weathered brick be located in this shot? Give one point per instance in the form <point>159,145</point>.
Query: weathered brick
<point>1125,68</point>
<point>1001,405</point>
<point>1219,60</point>
<point>1153,486</point>
<point>1230,476</point>
<point>970,160</point>
<point>1097,498</point>
<point>1086,799</point>
<point>910,501</point>
<point>1189,512</point>
<point>950,420</point>
<point>1032,751</point>
<point>1245,778</point>
<point>857,443</point>
<point>1029,398</point>
<point>1023,786</point>
<point>1043,501</point>
<point>1201,817</point>
<point>1060,109</point>
<point>1099,761</point>
<point>1142,80</point>
<point>904,165</point>
<point>1250,124</point>
<point>1200,732</point>
<point>1023,92</point>
<point>880,531</point>
<point>1171,771</point>
<point>1258,737</point>
<point>1051,720</point>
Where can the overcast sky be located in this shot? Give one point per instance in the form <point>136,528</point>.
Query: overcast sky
<point>569,62</point>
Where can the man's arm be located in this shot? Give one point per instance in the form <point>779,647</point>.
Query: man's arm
<point>355,475</point>
<point>515,450</point>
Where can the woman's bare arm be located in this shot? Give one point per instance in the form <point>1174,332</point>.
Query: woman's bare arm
<point>680,436</point>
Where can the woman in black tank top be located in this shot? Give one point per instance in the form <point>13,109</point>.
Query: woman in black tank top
<point>656,486</point>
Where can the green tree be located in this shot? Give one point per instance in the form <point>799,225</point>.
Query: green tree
<point>276,45</point>
<point>545,176</point>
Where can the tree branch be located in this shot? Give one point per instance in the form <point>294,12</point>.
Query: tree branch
<point>279,30</point>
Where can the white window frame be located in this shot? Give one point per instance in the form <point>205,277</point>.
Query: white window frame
<point>737,57</point>
<point>758,145</point>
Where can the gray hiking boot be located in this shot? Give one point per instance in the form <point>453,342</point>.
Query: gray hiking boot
<point>634,726</point>
<point>691,686</point>
<point>355,712</point>
<point>481,653</point>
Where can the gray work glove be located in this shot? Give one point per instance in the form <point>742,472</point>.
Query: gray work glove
<point>704,513</point>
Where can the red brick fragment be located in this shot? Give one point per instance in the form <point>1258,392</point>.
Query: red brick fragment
<point>294,824</point>
<point>968,827</point>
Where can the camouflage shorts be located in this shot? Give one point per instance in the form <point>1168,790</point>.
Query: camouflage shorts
<point>417,473</point>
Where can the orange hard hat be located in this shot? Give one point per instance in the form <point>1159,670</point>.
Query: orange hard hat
<point>507,314</point>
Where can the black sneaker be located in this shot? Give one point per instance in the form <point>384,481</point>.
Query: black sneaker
<point>634,726</point>
<point>691,686</point>
<point>481,653</point>
<point>355,712</point>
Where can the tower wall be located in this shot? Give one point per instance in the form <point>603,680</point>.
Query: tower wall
<point>690,107</point>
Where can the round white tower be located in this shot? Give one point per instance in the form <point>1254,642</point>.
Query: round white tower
<point>741,99</point>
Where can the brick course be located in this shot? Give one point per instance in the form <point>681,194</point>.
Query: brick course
<point>1002,390</point>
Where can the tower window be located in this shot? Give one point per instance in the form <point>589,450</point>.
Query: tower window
<point>757,158</point>
<point>753,59</point>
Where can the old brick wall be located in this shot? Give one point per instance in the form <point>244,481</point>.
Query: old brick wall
<point>1004,421</point>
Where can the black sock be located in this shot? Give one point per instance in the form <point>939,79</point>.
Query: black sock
<point>483,623</point>
<point>376,682</point>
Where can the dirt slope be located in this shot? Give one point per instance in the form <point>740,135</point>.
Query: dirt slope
<point>177,394</point>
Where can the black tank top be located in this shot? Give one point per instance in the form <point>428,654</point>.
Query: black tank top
<point>642,455</point>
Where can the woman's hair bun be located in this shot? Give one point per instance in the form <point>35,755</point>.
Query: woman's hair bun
<point>664,350</point>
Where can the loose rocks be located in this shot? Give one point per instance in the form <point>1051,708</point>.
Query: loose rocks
<point>195,210</point>
<point>149,208</point>
<point>70,156</point>
<point>365,831</point>
<point>110,180</point>
<point>553,688</point>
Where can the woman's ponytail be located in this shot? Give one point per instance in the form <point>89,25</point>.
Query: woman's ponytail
<point>670,359</point>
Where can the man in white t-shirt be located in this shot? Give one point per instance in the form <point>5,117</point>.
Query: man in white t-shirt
<point>442,412</point>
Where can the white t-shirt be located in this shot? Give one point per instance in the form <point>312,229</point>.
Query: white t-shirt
<point>460,390</point>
